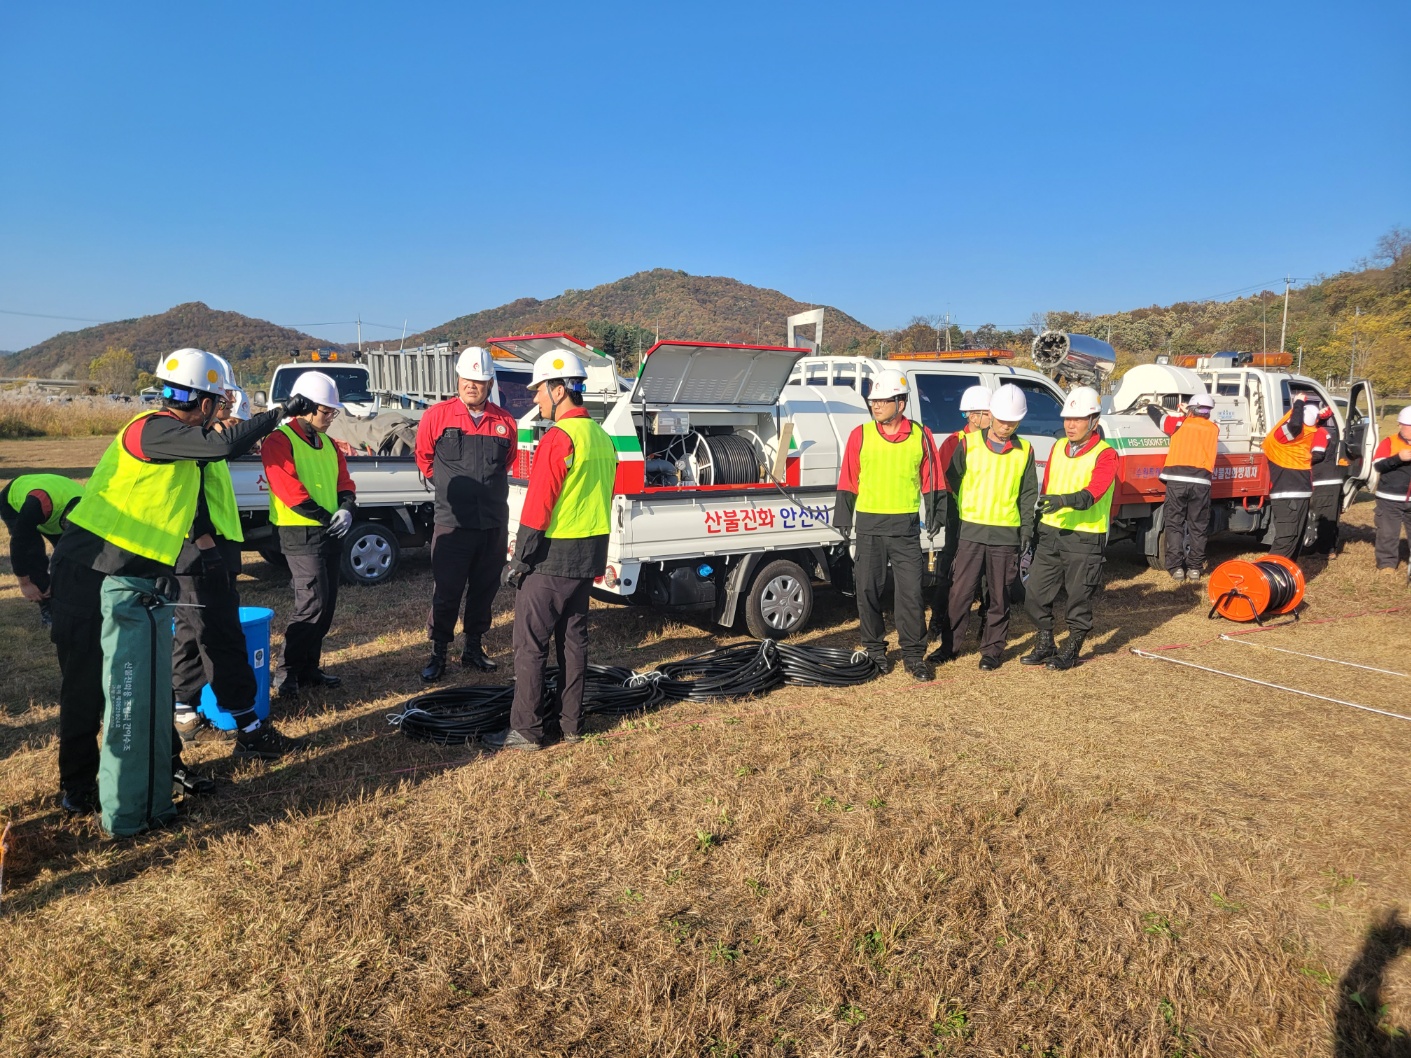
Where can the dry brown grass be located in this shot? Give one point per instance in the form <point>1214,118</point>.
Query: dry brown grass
<point>27,417</point>
<point>1128,859</point>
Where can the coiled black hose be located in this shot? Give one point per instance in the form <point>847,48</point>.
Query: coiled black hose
<point>806,666</point>
<point>1282,586</point>
<point>732,460</point>
<point>609,690</point>
<point>738,671</point>
<point>455,715</point>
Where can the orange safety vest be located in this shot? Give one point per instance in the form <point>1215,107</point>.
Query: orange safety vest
<point>1193,444</point>
<point>1291,455</point>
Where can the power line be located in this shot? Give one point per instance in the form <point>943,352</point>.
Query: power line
<point>47,316</point>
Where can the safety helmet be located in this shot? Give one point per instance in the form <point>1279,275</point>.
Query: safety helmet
<point>189,374</point>
<point>1008,404</point>
<point>889,384</point>
<point>228,380</point>
<point>239,405</point>
<point>475,365</point>
<point>554,365</point>
<point>318,387</point>
<point>1202,402</point>
<point>1082,401</point>
<point>1404,418</point>
<point>975,398</point>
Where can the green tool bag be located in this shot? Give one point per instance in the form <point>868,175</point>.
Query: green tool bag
<point>134,773</point>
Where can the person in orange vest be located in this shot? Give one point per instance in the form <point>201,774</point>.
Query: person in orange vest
<point>1392,460</point>
<point>1190,464</point>
<point>1289,449</point>
<point>1329,473</point>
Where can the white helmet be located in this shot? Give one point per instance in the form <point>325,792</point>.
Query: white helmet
<point>1008,404</point>
<point>889,383</point>
<point>475,365</point>
<point>1082,401</point>
<point>228,382</point>
<point>1404,419</point>
<point>318,387</point>
<point>1202,401</point>
<point>975,398</point>
<point>239,405</point>
<point>192,371</point>
<point>554,365</point>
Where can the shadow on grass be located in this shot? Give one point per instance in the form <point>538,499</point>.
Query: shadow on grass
<point>1362,1029</point>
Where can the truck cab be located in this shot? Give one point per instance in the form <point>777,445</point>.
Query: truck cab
<point>353,380</point>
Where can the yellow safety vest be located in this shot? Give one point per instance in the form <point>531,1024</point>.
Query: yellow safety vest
<point>145,508</point>
<point>60,490</point>
<point>584,506</point>
<point>989,492</point>
<point>1066,475</point>
<point>317,471</point>
<point>220,501</point>
<point>889,472</point>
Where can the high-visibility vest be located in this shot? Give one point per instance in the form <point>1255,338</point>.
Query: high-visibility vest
<point>1193,444</point>
<point>60,490</point>
<point>220,500</point>
<point>889,472</point>
<point>145,508</point>
<point>584,506</point>
<point>1292,455</point>
<point>1071,474</point>
<point>989,492</point>
<point>317,471</point>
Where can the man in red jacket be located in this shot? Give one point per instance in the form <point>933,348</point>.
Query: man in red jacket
<point>466,447</point>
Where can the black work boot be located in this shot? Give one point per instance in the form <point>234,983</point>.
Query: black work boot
<point>473,657</point>
<point>880,660</point>
<point>435,664</point>
<point>265,743</point>
<point>1068,658</point>
<point>1043,649</point>
<point>919,670</point>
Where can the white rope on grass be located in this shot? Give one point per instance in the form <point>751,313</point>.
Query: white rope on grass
<point>1264,683</point>
<point>1297,653</point>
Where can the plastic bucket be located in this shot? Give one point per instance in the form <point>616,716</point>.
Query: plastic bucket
<point>254,622</point>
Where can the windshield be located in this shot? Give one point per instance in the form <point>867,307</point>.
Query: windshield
<point>351,382</point>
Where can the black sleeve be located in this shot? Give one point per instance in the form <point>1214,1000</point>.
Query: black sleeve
<point>1028,500</point>
<point>1294,426</point>
<point>1389,463</point>
<point>1158,415</point>
<point>526,545</point>
<point>843,509</point>
<point>347,501</point>
<point>956,471</point>
<point>165,439</point>
<point>27,555</point>
<point>310,509</point>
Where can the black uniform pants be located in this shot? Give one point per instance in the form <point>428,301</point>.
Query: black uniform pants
<point>315,580</point>
<point>464,562</point>
<point>903,553</point>
<point>1391,518</point>
<point>550,608</point>
<point>1290,518</point>
<point>1186,517</point>
<point>999,564</point>
<point>1065,562</point>
<point>209,648</point>
<point>1323,512</point>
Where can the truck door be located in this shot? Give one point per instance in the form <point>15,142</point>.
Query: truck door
<point>1361,439</point>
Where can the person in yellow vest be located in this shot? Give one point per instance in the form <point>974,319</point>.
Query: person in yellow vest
<point>993,476</point>
<point>1074,508</point>
<point>1187,475</point>
<point>1289,449</point>
<point>561,546</point>
<point>208,645</point>
<point>122,538</point>
<point>311,501</point>
<point>975,406</point>
<point>33,507</point>
<point>890,469</point>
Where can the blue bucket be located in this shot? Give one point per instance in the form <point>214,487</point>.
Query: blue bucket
<point>254,622</point>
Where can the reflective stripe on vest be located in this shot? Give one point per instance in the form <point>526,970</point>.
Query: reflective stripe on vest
<point>60,490</point>
<point>1296,454</point>
<point>145,508</point>
<point>220,501</point>
<point>1071,474</point>
<point>1193,444</point>
<point>889,472</point>
<point>584,505</point>
<point>317,471</point>
<point>989,492</point>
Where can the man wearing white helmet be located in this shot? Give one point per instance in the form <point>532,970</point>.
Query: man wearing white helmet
<point>1074,507</point>
<point>975,404</point>
<point>1392,460</point>
<point>1329,472</point>
<point>311,501</point>
<point>124,536</point>
<point>1189,469</point>
<point>1289,449</point>
<point>890,469</point>
<point>466,447</point>
<point>562,544</point>
<point>993,477</point>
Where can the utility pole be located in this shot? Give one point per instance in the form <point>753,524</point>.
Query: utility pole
<point>360,332</point>
<point>1299,369</point>
<point>1264,304</point>
<point>1284,333</point>
<point>1352,365</point>
<point>947,330</point>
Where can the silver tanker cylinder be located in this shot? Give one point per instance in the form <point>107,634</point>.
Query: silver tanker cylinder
<point>1078,359</point>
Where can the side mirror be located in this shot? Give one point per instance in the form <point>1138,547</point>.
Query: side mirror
<point>261,398</point>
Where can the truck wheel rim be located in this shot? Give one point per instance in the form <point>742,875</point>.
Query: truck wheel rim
<point>371,557</point>
<point>781,602</point>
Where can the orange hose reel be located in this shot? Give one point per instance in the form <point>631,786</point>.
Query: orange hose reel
<point>1250,591</point>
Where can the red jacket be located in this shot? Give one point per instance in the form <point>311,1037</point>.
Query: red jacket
<point>551,462</point>
<point>495,422</point>
<point>1104,471</point>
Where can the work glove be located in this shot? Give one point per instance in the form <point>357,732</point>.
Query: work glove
<point>298,405</point>
<point>845,531</point>
<point>212,565</point>
<point>1078,501</point>
<point>340,523</point>
<point>514,574</point>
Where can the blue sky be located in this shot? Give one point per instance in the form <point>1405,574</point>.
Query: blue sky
<point>311,162</point>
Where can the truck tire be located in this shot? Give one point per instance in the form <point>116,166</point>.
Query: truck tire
<point>1157,560</point>
<point>370,554</point>
<point>780,600</point>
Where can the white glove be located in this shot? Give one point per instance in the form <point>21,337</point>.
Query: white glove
<point>341,522</point>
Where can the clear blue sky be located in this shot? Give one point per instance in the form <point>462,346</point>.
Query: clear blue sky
<point>309,162</point>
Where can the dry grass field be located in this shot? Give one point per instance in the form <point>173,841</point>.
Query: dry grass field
<point>26,416</point>
<point>1132,858</point>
